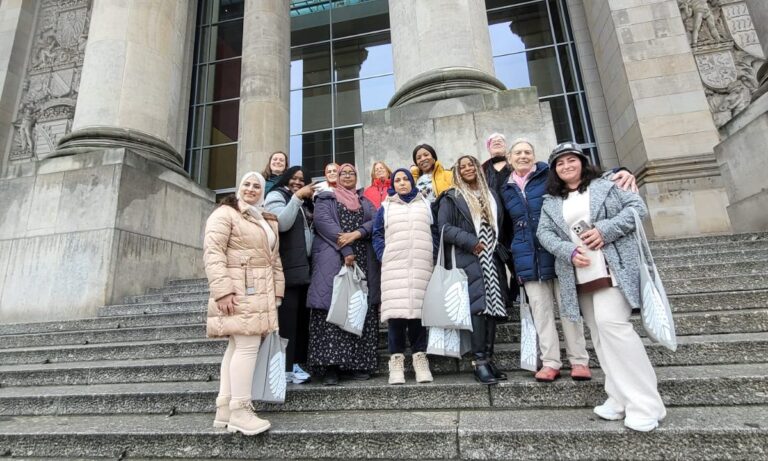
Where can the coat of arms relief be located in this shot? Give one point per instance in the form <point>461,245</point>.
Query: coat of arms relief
<point>727,53</point>
<point>49,92</point>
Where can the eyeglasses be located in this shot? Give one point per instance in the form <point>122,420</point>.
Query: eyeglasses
<point>347,174</point>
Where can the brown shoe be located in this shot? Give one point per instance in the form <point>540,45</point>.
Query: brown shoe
<point>547,375</point>
<point>580,373</point>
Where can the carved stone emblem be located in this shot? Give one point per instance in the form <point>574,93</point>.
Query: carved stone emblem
<point>742,30</point>
<point>727,53</point>
<point>49,94</point>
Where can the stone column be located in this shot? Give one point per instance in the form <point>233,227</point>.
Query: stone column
<point>131,84</point>
<point>441,50</point>
<point>264,83</point>
<point>659,114</point>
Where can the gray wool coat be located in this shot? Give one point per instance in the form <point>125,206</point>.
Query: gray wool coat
<point>610,212</point>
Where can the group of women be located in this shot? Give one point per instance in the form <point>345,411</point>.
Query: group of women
<point>272,252</point>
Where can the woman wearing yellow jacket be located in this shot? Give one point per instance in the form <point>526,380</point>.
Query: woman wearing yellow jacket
<point>431,178</point>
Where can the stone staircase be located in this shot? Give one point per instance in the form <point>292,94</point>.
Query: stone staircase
<point>139,381</point>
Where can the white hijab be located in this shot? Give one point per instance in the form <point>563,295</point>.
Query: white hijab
<point>256,209</point>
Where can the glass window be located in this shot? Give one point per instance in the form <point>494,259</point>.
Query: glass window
<point>519,28</point>
<point>532,68</point>
<point>310,65</point>
<point>358,96</point>
<point>560,117</point>
<point>361,57</point>
<point>567,68</point>
<point>355,17</point>
<point>222,166</point>
<point>311,109</point>
<point>223,81</point>
<point>345,148</point>
<point>222,41</point>
<point>310,22</point>
<point>316,151</point>
<point>221,10</point>
<point>218,123</point>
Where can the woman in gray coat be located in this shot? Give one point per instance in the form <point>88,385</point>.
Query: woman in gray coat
<point>587,223</point>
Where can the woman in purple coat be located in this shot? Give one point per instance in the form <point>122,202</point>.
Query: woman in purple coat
<point>343,223</point>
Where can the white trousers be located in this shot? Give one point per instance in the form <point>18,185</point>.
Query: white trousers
<point>541,297</point>
<point>630,381</point>
<point>237,367</point>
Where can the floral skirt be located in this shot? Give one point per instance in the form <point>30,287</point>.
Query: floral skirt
<point>329,345</point>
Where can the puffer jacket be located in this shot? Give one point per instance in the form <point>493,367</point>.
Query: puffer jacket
<point>236,248</point>
<point>404,241</point>
<point>610,213</point>
<point>442,179</point>
<point>459,231</point>
<point>293,235</point>
<point>327,258</point>
<point>532,261</point>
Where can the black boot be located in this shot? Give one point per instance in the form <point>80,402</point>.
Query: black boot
<point>483,372</point>
<point>490,341</point>
<point>331,377</point>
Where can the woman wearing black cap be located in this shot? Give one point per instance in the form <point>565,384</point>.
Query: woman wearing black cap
<point>588,224</point>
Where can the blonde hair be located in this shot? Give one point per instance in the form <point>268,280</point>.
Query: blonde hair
<point>478,207</point>
<point>373,170</point>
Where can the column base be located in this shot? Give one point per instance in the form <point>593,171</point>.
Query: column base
<point>445,83</point>
<point>86,230</point>
<point>91,139</point>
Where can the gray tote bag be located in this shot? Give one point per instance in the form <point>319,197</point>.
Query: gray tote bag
<point>269,376</point>
<point>446,300</point>
<point>655,311</point>
<point>529,339</point>
<point>448,342</point>
<point>349,301</point>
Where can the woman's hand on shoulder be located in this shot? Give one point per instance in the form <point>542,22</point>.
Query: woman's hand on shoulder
<point>625,181</point>
<point>227,304</point>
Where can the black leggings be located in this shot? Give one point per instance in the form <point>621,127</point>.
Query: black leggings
<point>293,318</point>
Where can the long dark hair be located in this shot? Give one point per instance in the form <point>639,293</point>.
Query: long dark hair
<point>283,179</point>
<point>556,187</point>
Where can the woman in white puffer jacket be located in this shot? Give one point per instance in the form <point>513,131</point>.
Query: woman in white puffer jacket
<point>404,239</point>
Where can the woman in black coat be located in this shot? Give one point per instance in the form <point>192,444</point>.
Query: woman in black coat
<point>470,216</point>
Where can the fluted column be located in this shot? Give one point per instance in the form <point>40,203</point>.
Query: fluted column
<point>441,49</point>
<point>131,86</point>
<point>264,83</point>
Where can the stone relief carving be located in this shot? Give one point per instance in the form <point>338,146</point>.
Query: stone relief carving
<point>727,53</point>
<point>49,92</point>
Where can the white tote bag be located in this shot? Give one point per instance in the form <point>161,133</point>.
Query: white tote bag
<point>349,301</point>
<point>448,342</point>
<point>446,300</point>
<point>654,309</point>
<point>529,339</point>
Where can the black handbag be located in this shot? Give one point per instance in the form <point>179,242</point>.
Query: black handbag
<point>503,253</point>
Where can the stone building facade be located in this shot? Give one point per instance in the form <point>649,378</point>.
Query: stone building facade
<point>120,121</point>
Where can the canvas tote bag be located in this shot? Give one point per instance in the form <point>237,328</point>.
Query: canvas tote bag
<point>446,300</point>
<point>349,301</point>
<point>655,311</point>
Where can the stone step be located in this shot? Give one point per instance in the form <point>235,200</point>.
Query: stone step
<point>708,240</point>
<point>728,257</point>
<point>739,432</point>
<point>741,321</point>
<point>744,384</point>
<point>705,249</point>
<point>692,350</point>
<point>105,336</point>
<point>734,296</point>
<point>104,323</point>
<point>166,369</point>
<point>715,270</point>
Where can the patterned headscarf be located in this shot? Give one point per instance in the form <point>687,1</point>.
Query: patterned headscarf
<point>414,190</point>
<point>347,197</point>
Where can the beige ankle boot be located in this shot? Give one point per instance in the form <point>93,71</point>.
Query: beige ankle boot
<point>222,412</point>
<point>421,367</point>
<point>397,369</point>
<point>243,418</point>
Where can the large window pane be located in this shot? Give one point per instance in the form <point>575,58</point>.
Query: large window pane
<point>219,123</point>
<point>221,10</point>
<point>223,41</point>
<point>519,28</point>
<point>353,17</point>
<point>561,118</point>
<point>222,166</point>
<point>310,22</point>
<point>362,57</point>
<point>567,68</point>
<point>532,68</point>
<point>310,65</point>
<point>489,4</point>
<point>316,151</point>
<point>579,134</point>
<point>358,96</point>
<point>345,150</point>
<point>557,21</point>
<point>223,82</point>
<point>311,109</point>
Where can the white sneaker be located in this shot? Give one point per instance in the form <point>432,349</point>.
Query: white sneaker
<point>641,424</point>
<point>289,377</point>
<point>299,374</point>
<point>606,411</point>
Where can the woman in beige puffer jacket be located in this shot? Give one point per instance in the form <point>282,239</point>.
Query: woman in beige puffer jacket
<point>245,276</point>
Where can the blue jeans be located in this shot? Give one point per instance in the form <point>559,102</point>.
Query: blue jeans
<point>397,331</point>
